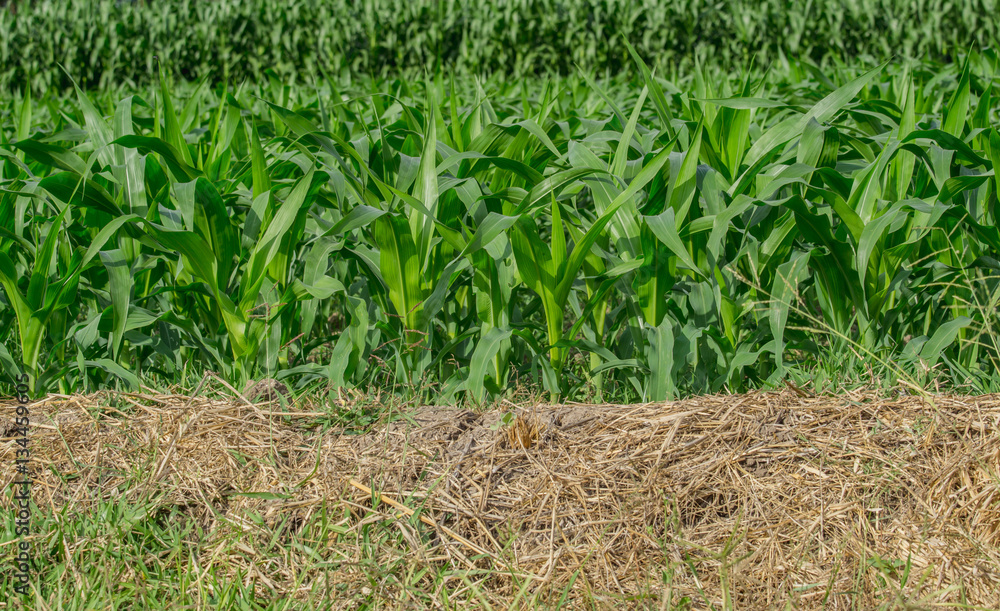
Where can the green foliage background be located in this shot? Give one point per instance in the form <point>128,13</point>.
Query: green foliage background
<point>103,43</point>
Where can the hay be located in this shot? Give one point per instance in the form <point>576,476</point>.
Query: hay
<point>767,498</point>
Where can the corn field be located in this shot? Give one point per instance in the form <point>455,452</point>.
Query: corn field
<point>636,238</point>
<point>108,43</point>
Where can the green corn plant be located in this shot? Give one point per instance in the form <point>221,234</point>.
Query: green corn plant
<point>550,272</point>
<point>46,294</point>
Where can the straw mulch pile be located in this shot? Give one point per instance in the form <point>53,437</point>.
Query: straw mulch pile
<point>764,499</point>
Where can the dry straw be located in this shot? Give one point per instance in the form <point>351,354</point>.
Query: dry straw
<point>748,501</point>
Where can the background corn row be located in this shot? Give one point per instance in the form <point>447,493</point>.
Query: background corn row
<point>105,42</point>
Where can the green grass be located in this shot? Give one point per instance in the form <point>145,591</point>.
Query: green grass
<point>628,239</point>
<point>121,555</point>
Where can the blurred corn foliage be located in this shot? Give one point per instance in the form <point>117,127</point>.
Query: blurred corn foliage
<point>103,42</point>
<point>628,239</point>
